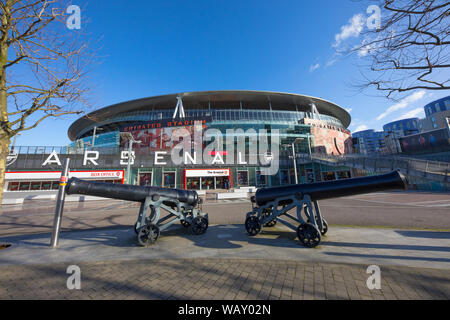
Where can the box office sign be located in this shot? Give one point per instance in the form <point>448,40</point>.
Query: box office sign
<point>39,175</point>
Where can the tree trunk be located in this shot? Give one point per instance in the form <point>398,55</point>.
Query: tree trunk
<point>4,151</point>
<point>5,130</point>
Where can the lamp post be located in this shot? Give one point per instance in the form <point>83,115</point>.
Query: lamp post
<point>131,140</point>
<point>308,137</point>
<point>292,145</point>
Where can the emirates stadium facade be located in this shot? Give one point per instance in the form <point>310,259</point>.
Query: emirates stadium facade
<point>305,123</point>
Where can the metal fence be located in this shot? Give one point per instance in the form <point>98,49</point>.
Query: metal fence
<point>433,170</point>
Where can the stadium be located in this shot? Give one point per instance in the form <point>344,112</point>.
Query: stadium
<point>146,128</point>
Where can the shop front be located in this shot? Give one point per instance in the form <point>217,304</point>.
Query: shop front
<point>207,179</point>
<point>33,181</point>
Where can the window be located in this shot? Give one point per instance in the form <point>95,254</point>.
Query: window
<point>284,177</point>
<point>13,186</point>
<point>36,185</point>
<point>242,178</point>
<point>343,174</point>
<point>169,179</point>
<point>24,186</point>
<point>145,179</point>
<point>46,185</point>
<point>328,176</point>
<point>261,180</point>
<point>447,104</point>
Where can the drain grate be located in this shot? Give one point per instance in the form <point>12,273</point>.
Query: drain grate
<point>4,246</point>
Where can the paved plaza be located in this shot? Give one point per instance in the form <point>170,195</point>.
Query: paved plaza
<point>225,263</point>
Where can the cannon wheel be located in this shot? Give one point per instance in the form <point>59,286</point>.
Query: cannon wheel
<point>324,227</point>
<point>199,225</point>
<point>148,234</point>
<point>271,223</point>
<point>252,225</point>
<point>185,224</point>
<point>136,228</point>
<point>308,235</point>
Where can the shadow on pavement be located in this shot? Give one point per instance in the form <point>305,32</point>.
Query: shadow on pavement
<point>424,234</point>
<point>387,246</point>
<point>383,256</point>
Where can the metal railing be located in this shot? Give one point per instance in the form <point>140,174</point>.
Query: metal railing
<point>432,170</point>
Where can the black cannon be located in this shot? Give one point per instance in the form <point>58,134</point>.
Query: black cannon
<point>181,205</point>
<point>269,204</point>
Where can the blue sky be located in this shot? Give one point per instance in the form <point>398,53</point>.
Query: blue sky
<point>159,47</point>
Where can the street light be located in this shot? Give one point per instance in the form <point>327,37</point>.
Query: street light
<point>308,138</point>
<point>130,138</point>
<point>292,145</point>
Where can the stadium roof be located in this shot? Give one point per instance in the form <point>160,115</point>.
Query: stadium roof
<point>232,99</point>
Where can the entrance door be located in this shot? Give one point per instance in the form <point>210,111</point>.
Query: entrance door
<point>220,182</point>
<point>193,183</point>
<point>145,179</point>
<point>243,178</point>
<point>208,183</point>
<point>169,179</point>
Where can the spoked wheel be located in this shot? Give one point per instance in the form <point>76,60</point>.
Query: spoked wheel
<point>308,235</point>
<point>148,234</point>
<point>136,229</point>
<point>270,224</point>
<point>324,227</point>
<point>185,224</point>
<point>199,225</point>
<point>252,225</point>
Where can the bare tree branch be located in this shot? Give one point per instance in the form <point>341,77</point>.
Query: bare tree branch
<point>409,51</point>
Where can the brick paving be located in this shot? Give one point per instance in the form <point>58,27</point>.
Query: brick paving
<point>212,279</point>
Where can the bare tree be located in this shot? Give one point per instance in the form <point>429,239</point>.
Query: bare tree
<point>409,50</point>
<point>42,64</point>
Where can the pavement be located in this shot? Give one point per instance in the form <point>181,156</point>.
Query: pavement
<point>225,263</point>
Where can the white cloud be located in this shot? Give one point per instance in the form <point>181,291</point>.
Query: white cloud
<point>412,114</point>
<point>352,29</point>
<point>314,67</point>
<point>365,50</point>
<point>403,103</point>
<point>331,62</point>
<point>361,128</point>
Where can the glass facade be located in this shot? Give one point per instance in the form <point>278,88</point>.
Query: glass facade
<point>402,127</point>
<point>309,131</point>
<point>369,141</point>
<point>440,105</point>
<point>219,116</point>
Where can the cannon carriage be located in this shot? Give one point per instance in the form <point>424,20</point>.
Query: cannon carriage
<point>272,205</point>
<point>179,205</point>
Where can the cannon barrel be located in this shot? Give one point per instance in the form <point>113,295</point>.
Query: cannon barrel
<point>334,189</point>
<point>128,192</point>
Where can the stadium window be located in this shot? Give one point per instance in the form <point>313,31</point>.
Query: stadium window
<point>36,185</point>
<point>46,185</point>
<point>13,186</point>
<point>24,186</point>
